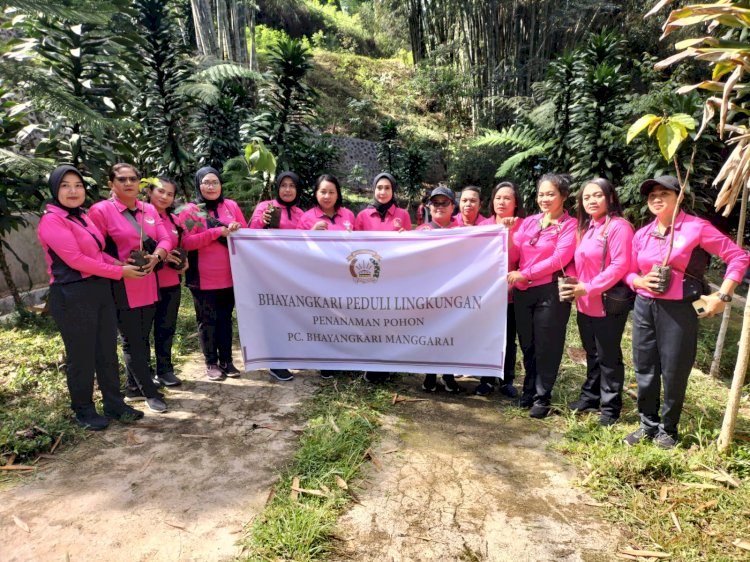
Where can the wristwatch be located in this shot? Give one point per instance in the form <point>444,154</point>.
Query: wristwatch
<point>724,297</point>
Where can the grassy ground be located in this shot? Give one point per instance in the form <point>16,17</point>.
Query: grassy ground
<point>343,421</point>
<point>34,401</point>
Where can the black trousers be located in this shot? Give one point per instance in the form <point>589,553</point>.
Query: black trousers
<point>165,324</point>
<point>541,321</point>
<point>135,329</point>
<point>605,370</point>
<point>85,315</point>
<point>509,366</point>
<point>665,338</point>
<point>213,312</point>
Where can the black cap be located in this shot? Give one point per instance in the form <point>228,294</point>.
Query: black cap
<point>442,190</point>
<point>667,182</point>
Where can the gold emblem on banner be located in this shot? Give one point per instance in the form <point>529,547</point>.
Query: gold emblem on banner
<point>364,266</point>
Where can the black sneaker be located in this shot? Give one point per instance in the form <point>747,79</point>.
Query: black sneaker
<point>665,441</point>
<point>127,413</point>
<point>169,379</point>
<point>281,374</point>
<point>451,386</point>
<point>375,378</point>
<point>133,394</point>
<point>229,369</point>
<point>156,404</point>
<point>483,389</point>
<point>508,390</point>
<point>326,374</point>
<point>89,418</point>
<point>526,401</point>
<point>582,406</point>
<point>539,411</point>
<point>637,436</point>
<point>430,383</point>
<point>606,421</point>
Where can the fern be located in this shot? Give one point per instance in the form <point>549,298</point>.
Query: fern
<point>519,158</point>
<point>85,11</point>
<point>204,92</point>
<point>23,165</point>
<point>519,137</point>
<point>225,71</point>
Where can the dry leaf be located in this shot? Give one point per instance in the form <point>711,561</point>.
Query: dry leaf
<point>333,425</point>
<point>706,505</point>
<point>663,494</point>
<point>701,486</point>
<point>341,483</point>
<point>295,489</point>
<point>131,438</point>
<point>676,522</point>
<point>41,429</point>
<point>395,398</point>
<point>643,553</point>
<point>632,394</point>
<point>11,459</point>
<point>21,524</point>
<point>180,527</point>
<point>577,355</point>
<point>307,491</point>
<point>588,478</point>
<point>718,476</point>
<point>326,489</point>
<point>374,459</point>
<point>20,467</point>
<point>742,543</point>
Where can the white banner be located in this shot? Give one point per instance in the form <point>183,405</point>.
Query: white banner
<point>418,302</point>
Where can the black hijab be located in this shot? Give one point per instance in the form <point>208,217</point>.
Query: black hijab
<point>382,208</point>
<point>295,178</point>
<point>54,181</point>
<point>199,175</point>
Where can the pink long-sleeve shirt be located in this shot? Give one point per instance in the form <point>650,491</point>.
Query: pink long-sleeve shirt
<point>256,221</point>
<point>73,251</point>
<point>167,276</point>
<point>544,252</point>
<point>514,254</point>
<point>339,221</point>
<point>396,218</point>
<point>209,265</point>
<point>588,261</point>
<point>690,232</point>
<point>458,220</point>
<point>109,218</point>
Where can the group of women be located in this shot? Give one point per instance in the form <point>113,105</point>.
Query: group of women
<point>99,285</point>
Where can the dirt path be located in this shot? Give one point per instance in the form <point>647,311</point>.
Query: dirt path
<point>181,488</point>
<point>465,478</point>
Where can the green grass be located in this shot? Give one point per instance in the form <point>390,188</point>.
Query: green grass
<point>628,481</point>
<point>34,400</point>
<point>301,530</point>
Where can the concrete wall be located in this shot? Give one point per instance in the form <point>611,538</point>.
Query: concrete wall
<point>24,242</point>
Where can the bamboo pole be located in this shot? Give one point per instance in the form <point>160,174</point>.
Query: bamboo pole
<point>738,380</point>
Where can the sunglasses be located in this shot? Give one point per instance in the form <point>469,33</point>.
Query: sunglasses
<point>127,179</point>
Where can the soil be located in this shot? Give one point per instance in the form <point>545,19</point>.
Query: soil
<point>471,479</point>
<point>460,478</point>
<point>174,486</point>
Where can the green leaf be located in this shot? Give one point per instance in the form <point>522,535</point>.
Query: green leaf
<point>636,128</point>
<point>670,138</point>
<point>684,120</point>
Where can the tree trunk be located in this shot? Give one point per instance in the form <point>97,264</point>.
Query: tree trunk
<point>716,363</point>
<point>204,28</point>
<point>743,354</point>
<point>253,11</point>
<point>9,281</point>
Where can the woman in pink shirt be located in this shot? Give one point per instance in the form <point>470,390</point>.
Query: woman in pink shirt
<point>441,206</point>
<point>599,220</point>
<point>209,276</point>
<point>129,224</point>
<point>665,325</point>
<point>507,206</point>
<point>468,207</point>
<point>383,213</point>
<point>165,318</point>
<point>546,242</point>
<point>288,192</point>
<point>80,300</point>
<point>327,212</point>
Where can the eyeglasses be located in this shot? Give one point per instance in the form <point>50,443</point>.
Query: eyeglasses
<point>127,179</point>
<point>440,204</point>
<point>72,186</point>
<point>214,183</point>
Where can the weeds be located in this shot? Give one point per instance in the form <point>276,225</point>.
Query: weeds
<point>300,529</point>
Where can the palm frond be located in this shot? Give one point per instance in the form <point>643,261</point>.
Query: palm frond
<point>520,137</point>
<point>202,91</point>
<point>224,71</point>
<point>23,165</point>
<point>519,158</point>
<point>84,11</point>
